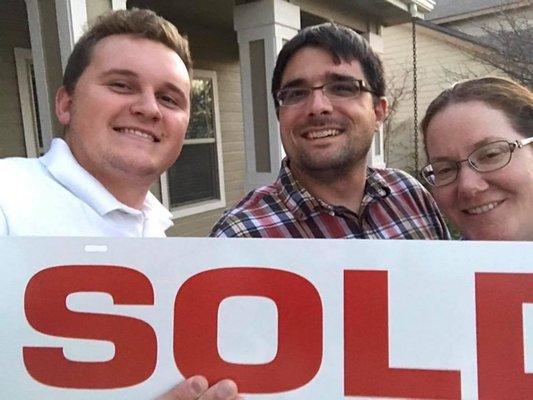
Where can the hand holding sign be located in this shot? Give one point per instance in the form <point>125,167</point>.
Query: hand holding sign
<point>196,388</point>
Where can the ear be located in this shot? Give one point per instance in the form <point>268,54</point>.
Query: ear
<point>381,108</point>
<point>63,106</point>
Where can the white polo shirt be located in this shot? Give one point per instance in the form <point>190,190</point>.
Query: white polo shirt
<point>54,196</point>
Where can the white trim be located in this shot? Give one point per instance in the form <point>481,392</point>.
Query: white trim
<point>23,63</point>
<point>376,157</point>
<point>203,206</point>
<point>118,4</point>
<point>197,208</point>
<point>39,64</point>
<point>71,20</point>
<point>199,141</point>
<point>417,8</point>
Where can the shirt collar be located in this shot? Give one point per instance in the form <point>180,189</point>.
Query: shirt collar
<point>303,204</point>
<point>62,165</point>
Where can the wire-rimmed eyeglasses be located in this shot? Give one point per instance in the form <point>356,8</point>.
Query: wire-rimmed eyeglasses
<point>335,91</point>
<point>486,158</point>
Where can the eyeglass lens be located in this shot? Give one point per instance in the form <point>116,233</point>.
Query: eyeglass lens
<point>336,90</point>
<point>486,158</point>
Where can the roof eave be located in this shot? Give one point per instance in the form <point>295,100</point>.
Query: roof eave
<point>410,8</point>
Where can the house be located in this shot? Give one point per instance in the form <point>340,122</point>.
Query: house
<point>233,142</point>
<point>449,42</point>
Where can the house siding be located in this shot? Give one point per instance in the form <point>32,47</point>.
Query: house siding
<point>441,61</point>
<point>96,7</point>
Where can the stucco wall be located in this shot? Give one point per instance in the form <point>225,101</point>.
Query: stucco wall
<point>13,33</point>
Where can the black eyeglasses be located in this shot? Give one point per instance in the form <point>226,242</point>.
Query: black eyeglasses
<point>334,91</point>
<point>486,158</point>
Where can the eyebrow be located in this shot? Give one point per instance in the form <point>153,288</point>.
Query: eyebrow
<point>474,147</point>
<point>330,77</point>
<point>128,73</point>
<point>125,72</point>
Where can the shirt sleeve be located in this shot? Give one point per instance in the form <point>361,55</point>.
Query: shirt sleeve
<point>231,226</point>
<point>222,229</point>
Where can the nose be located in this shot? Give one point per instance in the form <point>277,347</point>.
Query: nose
<point>146,105</point>
<point>471,182</point>
<point>318,103</point>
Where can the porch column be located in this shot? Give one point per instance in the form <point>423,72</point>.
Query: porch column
<point>35,25</point>
<point>376,157</point>
<point>71,20</point>
<point>262,29</point>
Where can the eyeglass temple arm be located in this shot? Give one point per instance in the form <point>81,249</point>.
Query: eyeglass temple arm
<point>524,142</point>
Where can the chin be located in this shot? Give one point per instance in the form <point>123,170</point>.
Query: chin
<point>498,234</point>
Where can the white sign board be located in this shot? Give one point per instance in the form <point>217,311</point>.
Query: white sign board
<point>286,319</point>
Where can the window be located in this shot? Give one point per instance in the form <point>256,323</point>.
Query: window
<point>28,103</point>
<point>195,183</point>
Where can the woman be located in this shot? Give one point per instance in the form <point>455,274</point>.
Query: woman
<point>480,151</point>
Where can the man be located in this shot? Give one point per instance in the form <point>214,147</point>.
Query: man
<point>328,87</point>
<point>124,104</point>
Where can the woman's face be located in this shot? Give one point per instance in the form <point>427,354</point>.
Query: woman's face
<point>496,205</point>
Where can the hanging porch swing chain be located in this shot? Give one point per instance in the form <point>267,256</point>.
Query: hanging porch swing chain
<point>415,95</point>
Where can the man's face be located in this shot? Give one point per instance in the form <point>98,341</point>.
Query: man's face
<point>320,135</point>
<point>127,117</point>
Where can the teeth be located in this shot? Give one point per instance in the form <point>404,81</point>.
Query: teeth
<point>482,209</point>
<point>136,133</point>
<point>323,134</point>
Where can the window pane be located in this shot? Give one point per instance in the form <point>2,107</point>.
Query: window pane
<point>202,122</point>
<point>194,176</point>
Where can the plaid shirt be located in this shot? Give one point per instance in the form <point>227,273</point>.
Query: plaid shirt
<point>394,206</point>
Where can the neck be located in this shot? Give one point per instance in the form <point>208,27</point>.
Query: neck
<point>128,191</point>
<point>339,188</point>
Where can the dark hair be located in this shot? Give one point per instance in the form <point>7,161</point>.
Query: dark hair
<point>140,23</point>
<point>513,99</point>
<point>343,43</point>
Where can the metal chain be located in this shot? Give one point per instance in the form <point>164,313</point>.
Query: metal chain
<point>415,95</point>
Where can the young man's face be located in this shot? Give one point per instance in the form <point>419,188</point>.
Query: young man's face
<point>321,135</point>
<point>128,115</point>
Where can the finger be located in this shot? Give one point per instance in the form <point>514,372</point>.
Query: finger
<point>223,390</point>
<point>189,389</point>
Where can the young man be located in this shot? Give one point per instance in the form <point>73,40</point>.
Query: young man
<point>124,104</point>
<point>328,87</point>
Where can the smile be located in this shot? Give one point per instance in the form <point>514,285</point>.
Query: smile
<point>139,133</point>
<point>485,208</point>
<point>322,134</point>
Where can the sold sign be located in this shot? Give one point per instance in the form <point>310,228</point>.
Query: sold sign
<point>301,301</point>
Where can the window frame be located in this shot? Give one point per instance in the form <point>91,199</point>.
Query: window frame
<point>28,102</point>
<point>206,205</point>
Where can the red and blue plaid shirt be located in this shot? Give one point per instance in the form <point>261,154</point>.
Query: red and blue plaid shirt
<point>394,206</point>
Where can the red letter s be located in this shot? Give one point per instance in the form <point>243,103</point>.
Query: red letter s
<point>134,340</point>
